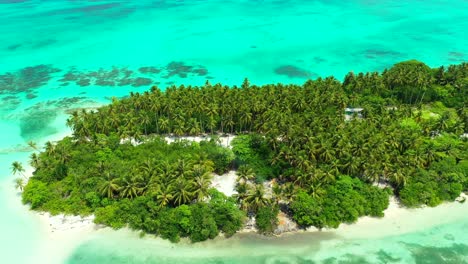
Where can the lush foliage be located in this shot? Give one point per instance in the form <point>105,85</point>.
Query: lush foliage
<point>267,219</point>
<point>444,180</point>
<point>344,201</point>
<point>198,221</point>
<point>295,147</point>
<point>156,187</point>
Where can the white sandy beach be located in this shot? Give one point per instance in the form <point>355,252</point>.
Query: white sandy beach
<point>59,234</point>
<point>399,220</point>
<point>224,141</point>
<point>225,183</point>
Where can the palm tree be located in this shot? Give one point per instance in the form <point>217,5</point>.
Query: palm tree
<point>63,154</point>
<point>398,177</point>
<point>17,168</point>
<point>241,190</point>
<point>130,187</point>
<point>202,160</point>
<point>184,168</point>
<point>163,195</point>
<point>256,198</point>
<point>165,172</point>
<point>277,192</point>
<point>201,184</point>
<point>164,124</point>
<point>34,160</point>
<point>182,192</point>
<point>289,191</point>
<point>245,174</point>
<point>145,121</point>
<point>109,186</point>
<point>148,168</point>
<point>19,184</point>
<point>302,178</point>
<point>32,144</point>
<point>49,148</point>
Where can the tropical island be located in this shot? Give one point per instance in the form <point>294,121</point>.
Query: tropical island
<point>322,153</point>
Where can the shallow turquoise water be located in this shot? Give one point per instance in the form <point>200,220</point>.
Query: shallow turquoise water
<point>440,244</point>
<point>56,55</point>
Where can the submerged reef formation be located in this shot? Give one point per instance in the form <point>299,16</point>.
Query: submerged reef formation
<point>26,79</point>
<point>294,72</point>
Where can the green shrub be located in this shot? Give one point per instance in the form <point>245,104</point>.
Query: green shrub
<point>36,193</point>
<point>267,219</point>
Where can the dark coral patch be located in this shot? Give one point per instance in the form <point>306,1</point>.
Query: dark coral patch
<point>200,71</point>
<point>26,79</point>
<point>183,70</point>
<point>122,76</point>
<point>124,82</point>
<point>30,96</point>
<point>293,72</point>
<point>37,122</point>
<point>14,47</point>
<point>43,43</point>
<point>456,253</point>
<point>149,70</point>
<point>319,60</point>
<point>456,56</point>
<point>10,102</point>
<point>177,68</point>
<point>101,77</point>
<point>140,81</point>
<point>103,82</point>
<point>83,82</point>
<point>377,53</point>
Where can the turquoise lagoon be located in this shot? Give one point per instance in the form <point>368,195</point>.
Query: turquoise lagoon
<point>59,55</point>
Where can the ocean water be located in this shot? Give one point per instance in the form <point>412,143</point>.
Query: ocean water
<point>439,244</point>
<point>59,55</point>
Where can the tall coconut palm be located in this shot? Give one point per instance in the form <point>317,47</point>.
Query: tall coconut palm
<point>19,183</point>
<point>130,187</point>
<point>183,168</point>
<point>241,194</point>
<point>201,185</point>
<point>256,198</point>
<point>32,145</point>
<point>34,160</point>
<point>245,174</point>
<point>17,168</point>
<point>164,195</point>
<point>166,172</point>
<point>109,186</point>
<point>182,192</point>
<point>49,148</point>
<point>288,191</point>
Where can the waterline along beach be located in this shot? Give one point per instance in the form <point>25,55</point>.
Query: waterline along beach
<point>346,127</point>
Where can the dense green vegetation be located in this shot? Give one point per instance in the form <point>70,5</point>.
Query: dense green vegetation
<point>156,187</point>
<point>344,201</point>
<point>294,149</point>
